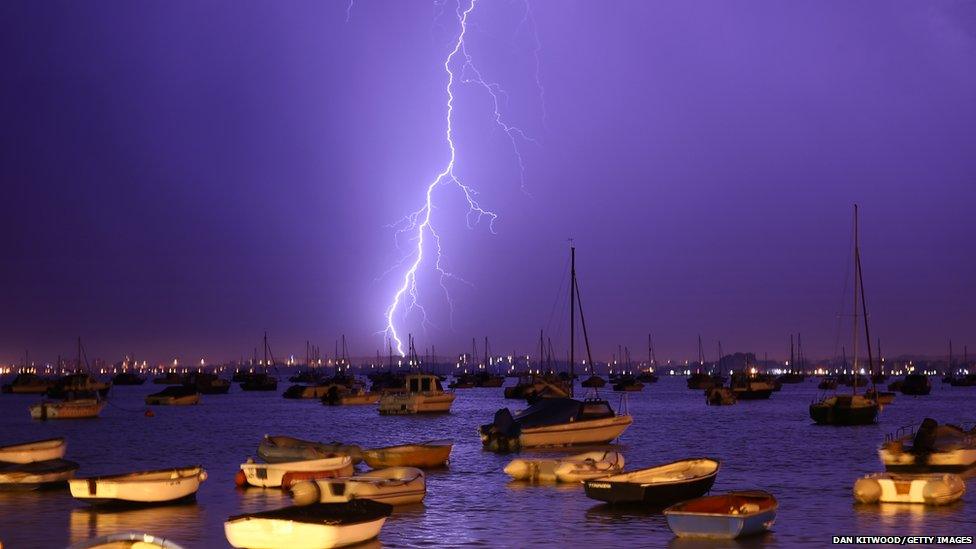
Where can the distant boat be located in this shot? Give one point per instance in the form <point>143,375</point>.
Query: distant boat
<point>700,381</point>
<point>28,384</point>
<point>356,396</point>
<point>968,380</point>
<point>30,452</point>
<point>38,474</point>
<point>176,395</point>
<point>393,486</point>
<point>316,391</point>
<point>318,526</point>
<point>207,383</point>
<point>657,487</point>
<point>628,383</point>
<point>143,488</point>
<point>930,448</point>
<point>750,386</point>
<point>128,378</point>
<point>720,396</point>
<point>827,383</point>
<point>726,516</point>
<point>78,383</point>
<point>434,453</point>
<point>566,469</point>
<point>168,378</point>
<point>594,382</point>
<point>278,449</point>
<point>881,397</point>
<point>928,489</point>
<point>273,475</point>
<point>916,385</point>
<point>70,409</point>
<point>851,409</point>
<point>262,381</point>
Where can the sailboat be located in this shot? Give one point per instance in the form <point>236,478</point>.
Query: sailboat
<point>558,421</point>
<point>851,409</point>
<point>262,381</point>
<point>423,393</point>
<point>648,375</point>
<point>80,394</point>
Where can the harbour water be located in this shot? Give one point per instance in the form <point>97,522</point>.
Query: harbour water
<point>770,444</point>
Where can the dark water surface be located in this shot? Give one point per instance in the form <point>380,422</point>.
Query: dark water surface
<point>762,444</point>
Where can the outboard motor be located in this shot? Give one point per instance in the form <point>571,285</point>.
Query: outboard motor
<point>502,434</point>
<point>924,441</point>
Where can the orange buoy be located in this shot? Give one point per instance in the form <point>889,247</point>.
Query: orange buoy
<point>240,479</point>
<point>150,413</point>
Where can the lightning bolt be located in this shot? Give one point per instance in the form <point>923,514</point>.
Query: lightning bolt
<point>418,224</point>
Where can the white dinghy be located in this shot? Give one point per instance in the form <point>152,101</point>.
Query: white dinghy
<point>145,487</point>
<point>30,452</point>
<point>31,476</point>
<point>930,489</point>
<point>567,469</point>
<point>276,475</point>
<point>317,526</point>
<point>394,486</point>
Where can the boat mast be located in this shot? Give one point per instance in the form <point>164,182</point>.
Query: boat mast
<point>542,352</point>
<point>701,355</point>
<point>486,354</point>
<point>650,353</point>
<point>864,307</point>
<point>572,314</point>
<point>792,358</point>
<point>854,306</point>
<point>586,337</point>
<point>949,365</point>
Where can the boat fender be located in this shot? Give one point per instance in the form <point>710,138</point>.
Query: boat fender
<point>935,491</point>
<point>867,490</point>
<point>240,479</point>
<point>305,493</point>
<point>150,413</point>
<point>203,475</point>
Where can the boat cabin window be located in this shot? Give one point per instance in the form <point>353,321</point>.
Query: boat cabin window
<point>597,408</point>
<point>425,384</point>
<point>414,385</point>
<point>437,385</point>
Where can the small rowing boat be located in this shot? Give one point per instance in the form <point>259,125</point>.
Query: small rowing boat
<point>567,469</point>
<point>279,449</point>
<point>394,485</point>
<point>930,489</point>
<point>30,452</point>
<point>130,540</point>
<point>31,476</point>
<point>726,516</point>
<point>275,475</point>
<point>317,526</point>
<point>659,486</point>
<point>145,487</point>
<point>434,453</point>
<point>81,408</point>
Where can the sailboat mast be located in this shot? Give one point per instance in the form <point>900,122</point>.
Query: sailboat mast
<point>854,306</point>
<point>792,358</point>
<point>572,316</point>
<point>864,312</point>
<point>486,353</point>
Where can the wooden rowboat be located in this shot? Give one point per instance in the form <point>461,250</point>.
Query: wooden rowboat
<point>279,449</point>
<point>70,409</point>
<point>659,486</point>
<point>566,469</point>
<point>726,516</point>
<point>318,526</point>
<point>394,485</point>
<point>30,452</point>
<point>272,475</point>
<point>434,453</point>
<point>31,476</point>
<point>146,487</point>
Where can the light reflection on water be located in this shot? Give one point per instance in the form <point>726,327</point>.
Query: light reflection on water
<point>770,445</point>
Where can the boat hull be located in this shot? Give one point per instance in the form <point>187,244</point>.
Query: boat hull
<point>282,449</point>
<point>960,460</point>
<point>150,488</point>
<point>693,525</point>
<point>76,409</point>
<point>837,415</point>
<point>930,489</point>
<point>393,486</point>
<point>30,452</point>
<point>595,431</point>
<point>415,403</point>
<point>263,533</point>
<point>653,496</point>
<point>31,476</point>
<point>188,400</point>
<point>420,456</point>
<point>271,475</point>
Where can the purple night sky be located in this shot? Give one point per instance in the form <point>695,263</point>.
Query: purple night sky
<point>179,177</point>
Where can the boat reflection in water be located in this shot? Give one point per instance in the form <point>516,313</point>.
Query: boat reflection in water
<point>913,520</point>
<point>181,522</point>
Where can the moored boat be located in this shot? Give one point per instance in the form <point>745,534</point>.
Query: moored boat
<point>168,378</point>
<point>175,395</point>
<point>394,486</point>
<point>726,516</point>
<point>38,474</point>
<point>929,489</point>
<point>81,408</point>
<point>279,449</point>
<point>318,390</point>
<point>844,410</point>
<point>30,452</point>
<point>78,383</point>
<point>207,383</point>
<point>434,453</point>
<point>658,486</point>
<point>273,475</point>
<point>566,469</point>
<point>720,396</point>
<point>141,488</point>
<point>317,526</point>
<point>827,383</point>
<point>128,378</point>
<point>126,540</point>
<point>354,398</point>
<point>750,386</point>
<point>930,448</point>
<point>423,395</point>
<point>28,384</point>
<point>554,422</point>
<point>916,385</point>
<point>594,382</point>
<point>881,397</point>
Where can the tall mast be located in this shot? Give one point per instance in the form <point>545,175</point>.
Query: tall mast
<point>864,312</point>
<point>486,354</point>
<point>542,352</point>
<point>854,306</point>
<point>950,358</point>
<point>265,351</point>
<point>572,314</point>
<point>792,356</point>
<point>701,354</point>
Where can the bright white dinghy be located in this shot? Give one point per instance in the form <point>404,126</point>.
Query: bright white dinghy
<point>276,475</point>
<point>394,486</point>
<point>144,487</point>
<point>316,526</point>
<point>30,452</point>
<point>929,489</point>
<point>566,469</point>
<point>39,474</point>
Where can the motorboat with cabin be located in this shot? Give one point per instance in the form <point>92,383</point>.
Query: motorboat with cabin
<point>423,395</point>
<point>750,386</point>
<point>554,422</point>
<point>930,448</point>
